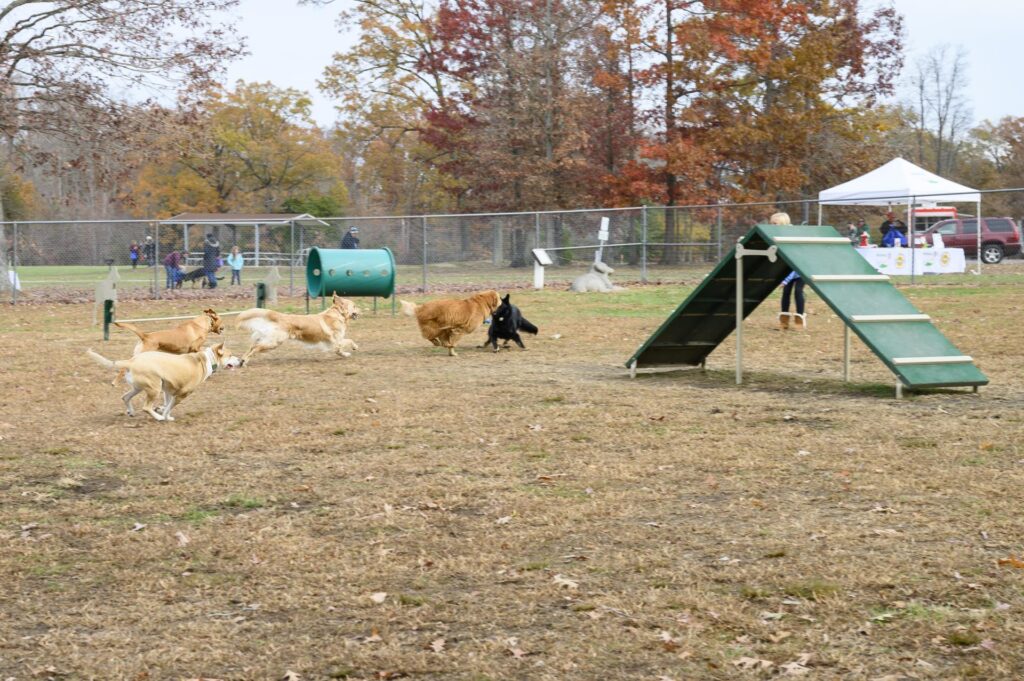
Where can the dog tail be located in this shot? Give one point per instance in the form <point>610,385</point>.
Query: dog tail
<point>527,326</point>
<point>253,313</point>
<point>408,309</point>
<point>104,362</point>
<point>134,329</point>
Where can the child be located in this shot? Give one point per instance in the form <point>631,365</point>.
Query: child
<point>133,254</point>
<point>235,262</point>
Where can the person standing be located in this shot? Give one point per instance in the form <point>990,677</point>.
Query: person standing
<point>350,240</point>
<point>792,288</point>
<point>171,265</point>
<point>211,259</point>
<point>149,252</point>
<point>236,262</point>
<point>133,254</point>
<point>892,222</point>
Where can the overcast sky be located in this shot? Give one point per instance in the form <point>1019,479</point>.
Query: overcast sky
<point>290,46</point>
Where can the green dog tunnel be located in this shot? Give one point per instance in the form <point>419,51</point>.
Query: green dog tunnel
<point>350,272</point>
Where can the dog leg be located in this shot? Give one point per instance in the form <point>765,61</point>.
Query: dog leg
<point>168,405</point>
<point>519,341</point>
<point>127,397</point>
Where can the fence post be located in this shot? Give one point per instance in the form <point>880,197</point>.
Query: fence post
<point>13,267</point>
<point>424,253</point>
<point>718,231</point>
<point>108,318</point>
<point>291,260</point>
<point>536,231</point>
<point>156,259</point>
<point>643,247</point>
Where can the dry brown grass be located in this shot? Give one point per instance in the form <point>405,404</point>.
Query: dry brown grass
<point>528,514</point>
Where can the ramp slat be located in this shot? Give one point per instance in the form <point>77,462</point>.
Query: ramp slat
<point>849,277</point>
<point>950,359</point>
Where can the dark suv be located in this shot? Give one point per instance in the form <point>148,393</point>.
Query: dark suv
<point>999,237</point>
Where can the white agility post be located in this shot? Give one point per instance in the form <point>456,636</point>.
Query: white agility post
<point>739,312</point>
<point>772,253</point>
<point>602,237</point>
<point>846,353</point>
<point>541,259</point>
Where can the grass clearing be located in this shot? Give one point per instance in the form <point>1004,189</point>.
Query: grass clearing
<point>402,514</point>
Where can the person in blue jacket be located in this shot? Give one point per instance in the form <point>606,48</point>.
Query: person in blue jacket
<point>236,262</point>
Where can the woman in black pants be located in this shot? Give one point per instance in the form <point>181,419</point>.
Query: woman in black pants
<point>792,287</point>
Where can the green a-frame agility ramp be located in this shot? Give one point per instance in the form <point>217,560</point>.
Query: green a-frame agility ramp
<point>869,305</point>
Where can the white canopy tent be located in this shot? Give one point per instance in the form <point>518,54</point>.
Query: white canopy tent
<point>900,182</point>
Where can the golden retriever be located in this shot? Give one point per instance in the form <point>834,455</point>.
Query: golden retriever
<point>326,329</point>
<point>184,338</point>
<point>174,377</point>
<point>443,322</point>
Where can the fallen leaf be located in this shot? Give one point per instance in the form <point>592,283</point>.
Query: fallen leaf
<point>517,653</point>
<point>753,663</point>
<point>290,676</point>
<point>379,597</point>
<point>769,616</point>
<point>536,426</point>
<point>183,539</point>
<point>138,527</point>
<point>565,582</point>
<point>503,520</point>
<point>1012,561</point>
<point>374,636</point>
<point>779,636</point>
<point>437,645</point>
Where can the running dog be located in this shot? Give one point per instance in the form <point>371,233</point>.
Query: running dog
<point>189,336</point>
<point>506,323</point>
<point>174,377</point>
<point>327,329</point>
<point>443,322</point>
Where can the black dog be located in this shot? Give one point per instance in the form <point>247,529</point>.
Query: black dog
<point>506,323</point>
<point>198,274</point>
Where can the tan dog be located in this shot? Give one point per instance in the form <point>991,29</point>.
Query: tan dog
<point>174,377</point>
<point>327,329</point>
<point>188,336</point>
<point>443,322</point>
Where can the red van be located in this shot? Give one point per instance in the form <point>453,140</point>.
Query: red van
<point>999,237</point>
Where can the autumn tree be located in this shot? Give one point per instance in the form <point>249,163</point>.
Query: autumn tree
<point>387,86</point>
<point>59,60</point>
<point>253,148</point>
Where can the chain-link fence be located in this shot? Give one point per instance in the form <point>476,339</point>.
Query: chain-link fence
<point>655,243</point>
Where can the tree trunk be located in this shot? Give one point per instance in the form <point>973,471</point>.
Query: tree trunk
<point>670,254</point>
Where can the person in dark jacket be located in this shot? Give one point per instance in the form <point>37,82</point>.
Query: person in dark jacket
<point>350,240</point>
<point>211,260</point>
<point>892,222</point>
<point>149,252</point>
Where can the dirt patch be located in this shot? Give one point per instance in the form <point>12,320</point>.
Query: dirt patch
<point>515,515</point>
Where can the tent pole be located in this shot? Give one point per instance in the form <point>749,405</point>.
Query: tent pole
<point>910,235</point>
<point>819,215</point>
<point>979,234</point>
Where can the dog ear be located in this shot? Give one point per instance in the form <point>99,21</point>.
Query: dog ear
<point>507,296</point>
<point>210,312</point>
